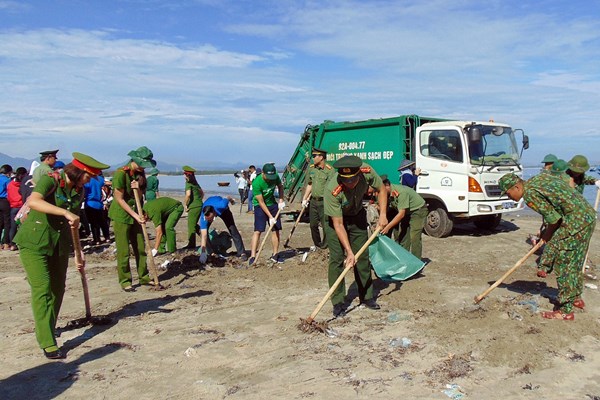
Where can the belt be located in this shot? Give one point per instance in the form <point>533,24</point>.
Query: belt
<point>317,198</point>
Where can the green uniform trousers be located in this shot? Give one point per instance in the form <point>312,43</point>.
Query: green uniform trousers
<point>124,235</point>
<point>411,231</point>
<point>356,228</point>
<point>192,223</point>
<point>568,257</point>
<point>169,237</point>
<point>46,276</point>
<point>317,216</point>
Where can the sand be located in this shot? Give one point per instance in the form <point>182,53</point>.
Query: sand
<point>219,332</point>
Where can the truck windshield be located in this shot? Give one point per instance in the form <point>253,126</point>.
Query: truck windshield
<point>496,147</point>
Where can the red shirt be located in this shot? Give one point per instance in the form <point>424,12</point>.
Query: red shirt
<point>14,197</point>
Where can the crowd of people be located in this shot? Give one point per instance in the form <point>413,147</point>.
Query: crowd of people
<point>44,204</point>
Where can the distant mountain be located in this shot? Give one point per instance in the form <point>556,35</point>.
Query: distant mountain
<point>15,162</point>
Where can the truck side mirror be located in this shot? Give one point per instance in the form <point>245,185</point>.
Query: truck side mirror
<point>525,142</point>
<point>475,134</point>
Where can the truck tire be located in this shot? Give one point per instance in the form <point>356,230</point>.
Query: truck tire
<point>438,224</point>
<point>488,222</point>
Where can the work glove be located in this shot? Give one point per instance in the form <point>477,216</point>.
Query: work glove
<point>272,221</point>
<point>304,203</point>
<point>281,205</point>
<point>203,257</point>
<point>154,252</point>
<point>598,183</point>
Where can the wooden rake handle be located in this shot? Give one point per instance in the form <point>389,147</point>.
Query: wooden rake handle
<point>509,272</point>
<point>79,260</point>
<point>265,238</point>
<point>150,257</point>
<point>294,227</point>
<point>588,250</point>
<point>342,276</point>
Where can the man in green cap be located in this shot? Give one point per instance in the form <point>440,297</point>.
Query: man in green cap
<point>578,165</point>
<point>152,185</point>
<point>318,174</point>
<point>411,212</point>
<point>194,197</point>
<point>127,219</point>
<point>266,208</point>
<point>347,227</point>
<point>571,221</point>
<point>47,160</point>
<point>548,161</point>
<point>164,212</point>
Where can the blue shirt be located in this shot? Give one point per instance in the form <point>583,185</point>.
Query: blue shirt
<point>93,192</point>
<point>219,203</point>
<point>4,181</point>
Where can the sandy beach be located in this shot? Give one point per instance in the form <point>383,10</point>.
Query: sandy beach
<point>218,332</point>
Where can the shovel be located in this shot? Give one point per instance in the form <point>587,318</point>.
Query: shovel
<point>153,269</point>
<point>265,239</point>
<point>340,278</point>
<point>508,273</point>
<point>294,227</point>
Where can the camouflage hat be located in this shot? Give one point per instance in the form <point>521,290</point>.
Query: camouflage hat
<point>348,166</point>
<point>579,164</point>
<point>507,181</point>
<point>88,164</point>
<point>549,159</point>
<point>559,167</point>
<point>142,156</point>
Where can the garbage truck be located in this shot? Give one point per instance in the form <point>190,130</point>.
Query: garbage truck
<point>460,161</point>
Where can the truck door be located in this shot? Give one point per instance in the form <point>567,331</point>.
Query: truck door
<point>442,156</point>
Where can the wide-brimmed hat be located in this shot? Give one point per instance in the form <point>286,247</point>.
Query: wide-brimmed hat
<point>559,167</point>
<point>579,164</point>
<point>142,156</point>
<point>549,159</point>
<point>405,164</point>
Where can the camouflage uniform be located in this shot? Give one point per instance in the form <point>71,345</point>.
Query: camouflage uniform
<point>555,200</point>
<point>348,203</point>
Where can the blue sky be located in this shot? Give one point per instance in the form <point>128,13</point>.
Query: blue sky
<point>227,81</point>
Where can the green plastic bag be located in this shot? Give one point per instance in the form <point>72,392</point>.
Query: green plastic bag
<point>391,261</point>
<point>219,242</point>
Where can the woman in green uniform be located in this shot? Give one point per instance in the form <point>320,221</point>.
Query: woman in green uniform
<point>126,219</point>
<point>44,241</point>
<point>192,203</point>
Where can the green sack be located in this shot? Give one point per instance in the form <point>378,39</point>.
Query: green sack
<point>219,242</point>
<point>391,261</point>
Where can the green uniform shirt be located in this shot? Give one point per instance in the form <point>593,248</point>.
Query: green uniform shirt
<point>195,200</point>
<point>264,188</point>
<point>42,170</point>
<point>317,177</point>
<point>554,199</point>
<point>42,231</point>
<point>340,201</point>
<point>151,187</point>
<point>158,210</point>
<point>122,180</point>
<point>405,198</point>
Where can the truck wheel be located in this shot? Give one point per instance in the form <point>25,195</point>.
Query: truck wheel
<point>489,222</point>
<point>438,223</point>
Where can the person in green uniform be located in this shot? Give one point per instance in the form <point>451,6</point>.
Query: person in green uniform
<point>410,213</point>
<point>152,185</point>
<point>193,204</point>
<point>318,174</point>
<point>164,212</point>
<point>47,160</point>
<point>548,161</point>
<point>45,241</point>
<point>578,165</point>
<point>127,219</point>
<point>571,221</point>
<point>347,227</point>
<point>265,209</point>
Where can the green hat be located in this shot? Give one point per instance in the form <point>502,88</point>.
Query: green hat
<point>507,181</point>
<point>549,159</point>
<point>269,171</point>
<point>88,164</point>
<point>187,168</point>
<point>348,167</point>
<point>579,164</point>
<point>559,167</point>
<point>142,157</point>
<point>319,152</point>
<point>153,171</point>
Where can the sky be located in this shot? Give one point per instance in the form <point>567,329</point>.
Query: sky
<point>223,81</point>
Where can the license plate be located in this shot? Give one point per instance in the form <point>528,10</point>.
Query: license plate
<point>508,204</point>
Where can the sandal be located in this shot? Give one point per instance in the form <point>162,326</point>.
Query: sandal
<point>541,273</point>
<point>558,315</point>
<point>579,303</point>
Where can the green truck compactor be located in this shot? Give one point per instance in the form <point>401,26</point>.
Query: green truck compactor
<point>461,162</point>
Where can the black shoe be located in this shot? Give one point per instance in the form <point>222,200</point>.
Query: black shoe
<point>251,261</point>
<point>54,355</point>
<point>339,310</point>
<point>275,259</point>
<point>371,304</point>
